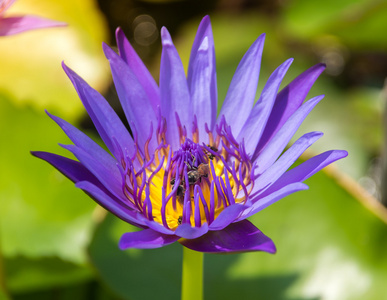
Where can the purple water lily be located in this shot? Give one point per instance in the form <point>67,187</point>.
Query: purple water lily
<point>18,24</point>
<point>186,174</point>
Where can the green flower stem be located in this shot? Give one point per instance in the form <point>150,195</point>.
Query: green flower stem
<point>192,282</point>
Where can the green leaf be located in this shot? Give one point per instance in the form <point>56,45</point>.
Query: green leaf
<point>329,247</point>
<point>81,289</point>
<point>41,213</point>
<point>3,296</point>
<point>135,273</point>
<point>358,24</point>
<point>26,275</point>
<point>298,18</point>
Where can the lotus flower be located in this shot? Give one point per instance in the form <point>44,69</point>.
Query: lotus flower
<point>18,24</point>
<point>186,174</point>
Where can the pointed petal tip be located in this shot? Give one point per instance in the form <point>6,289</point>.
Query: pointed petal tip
<point>315,70</point>
<point>283,68</point>
<point>43,155</point>
<point>36,153</point>
<point>206,18</point>
<point>68,147</point>
<point>121,245</point>
<point>120,37</point>
<point>53,117</point>
<point>64,66</point>
<point>321,65</point>
<point>119,31</point>
<point>313,134</point>
<point>300,186</point>
<point>110,54</point>
<point>317,98</point>
<point>259,42</point>
<point>69,72</point>
<point>272,249</point>
<point>166,39</point>
<point>342,153</point>
<point>106,49</point>
<point>205,22</point>
<point>289,60</point>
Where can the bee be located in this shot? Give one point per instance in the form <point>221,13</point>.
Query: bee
<point>196,173</point>
<point>180,192</point>
<point>179,220</point>
<point>210,155</point>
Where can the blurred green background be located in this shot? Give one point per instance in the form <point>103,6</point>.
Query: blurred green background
<point>332,239</point>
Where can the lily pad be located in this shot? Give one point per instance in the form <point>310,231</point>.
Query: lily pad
<point>135,274</point>
<point>26,274</point>
<point>3,296</point>
<point>41,213</point>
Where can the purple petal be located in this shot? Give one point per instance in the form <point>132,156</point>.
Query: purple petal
<point>133,98</point>
<point>241,93</point>
<point>82,141</point>
<point>76,172</point>
<point>227,216</point>
<point>204,30</point>
<point>145,239</point>
<point>262,202</point>
<point>106,121</point>
<point>277,144</point>
<point>108,175</point>
<point>306,169</point>
<point>201,92</point>
<point>72,169</point>
<point>202,78</point>
<point>136,65</point>
<point>115,206</point>
<point>255,124</point>
<point>174,93</point>
<point>237,237</point>
<point>158,227</point>
<point>186,231</point>
<point>14,25</point>
<point>285,161</point>
<point>288,101</point>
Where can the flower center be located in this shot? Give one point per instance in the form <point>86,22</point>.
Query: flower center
<point>192,184</point>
